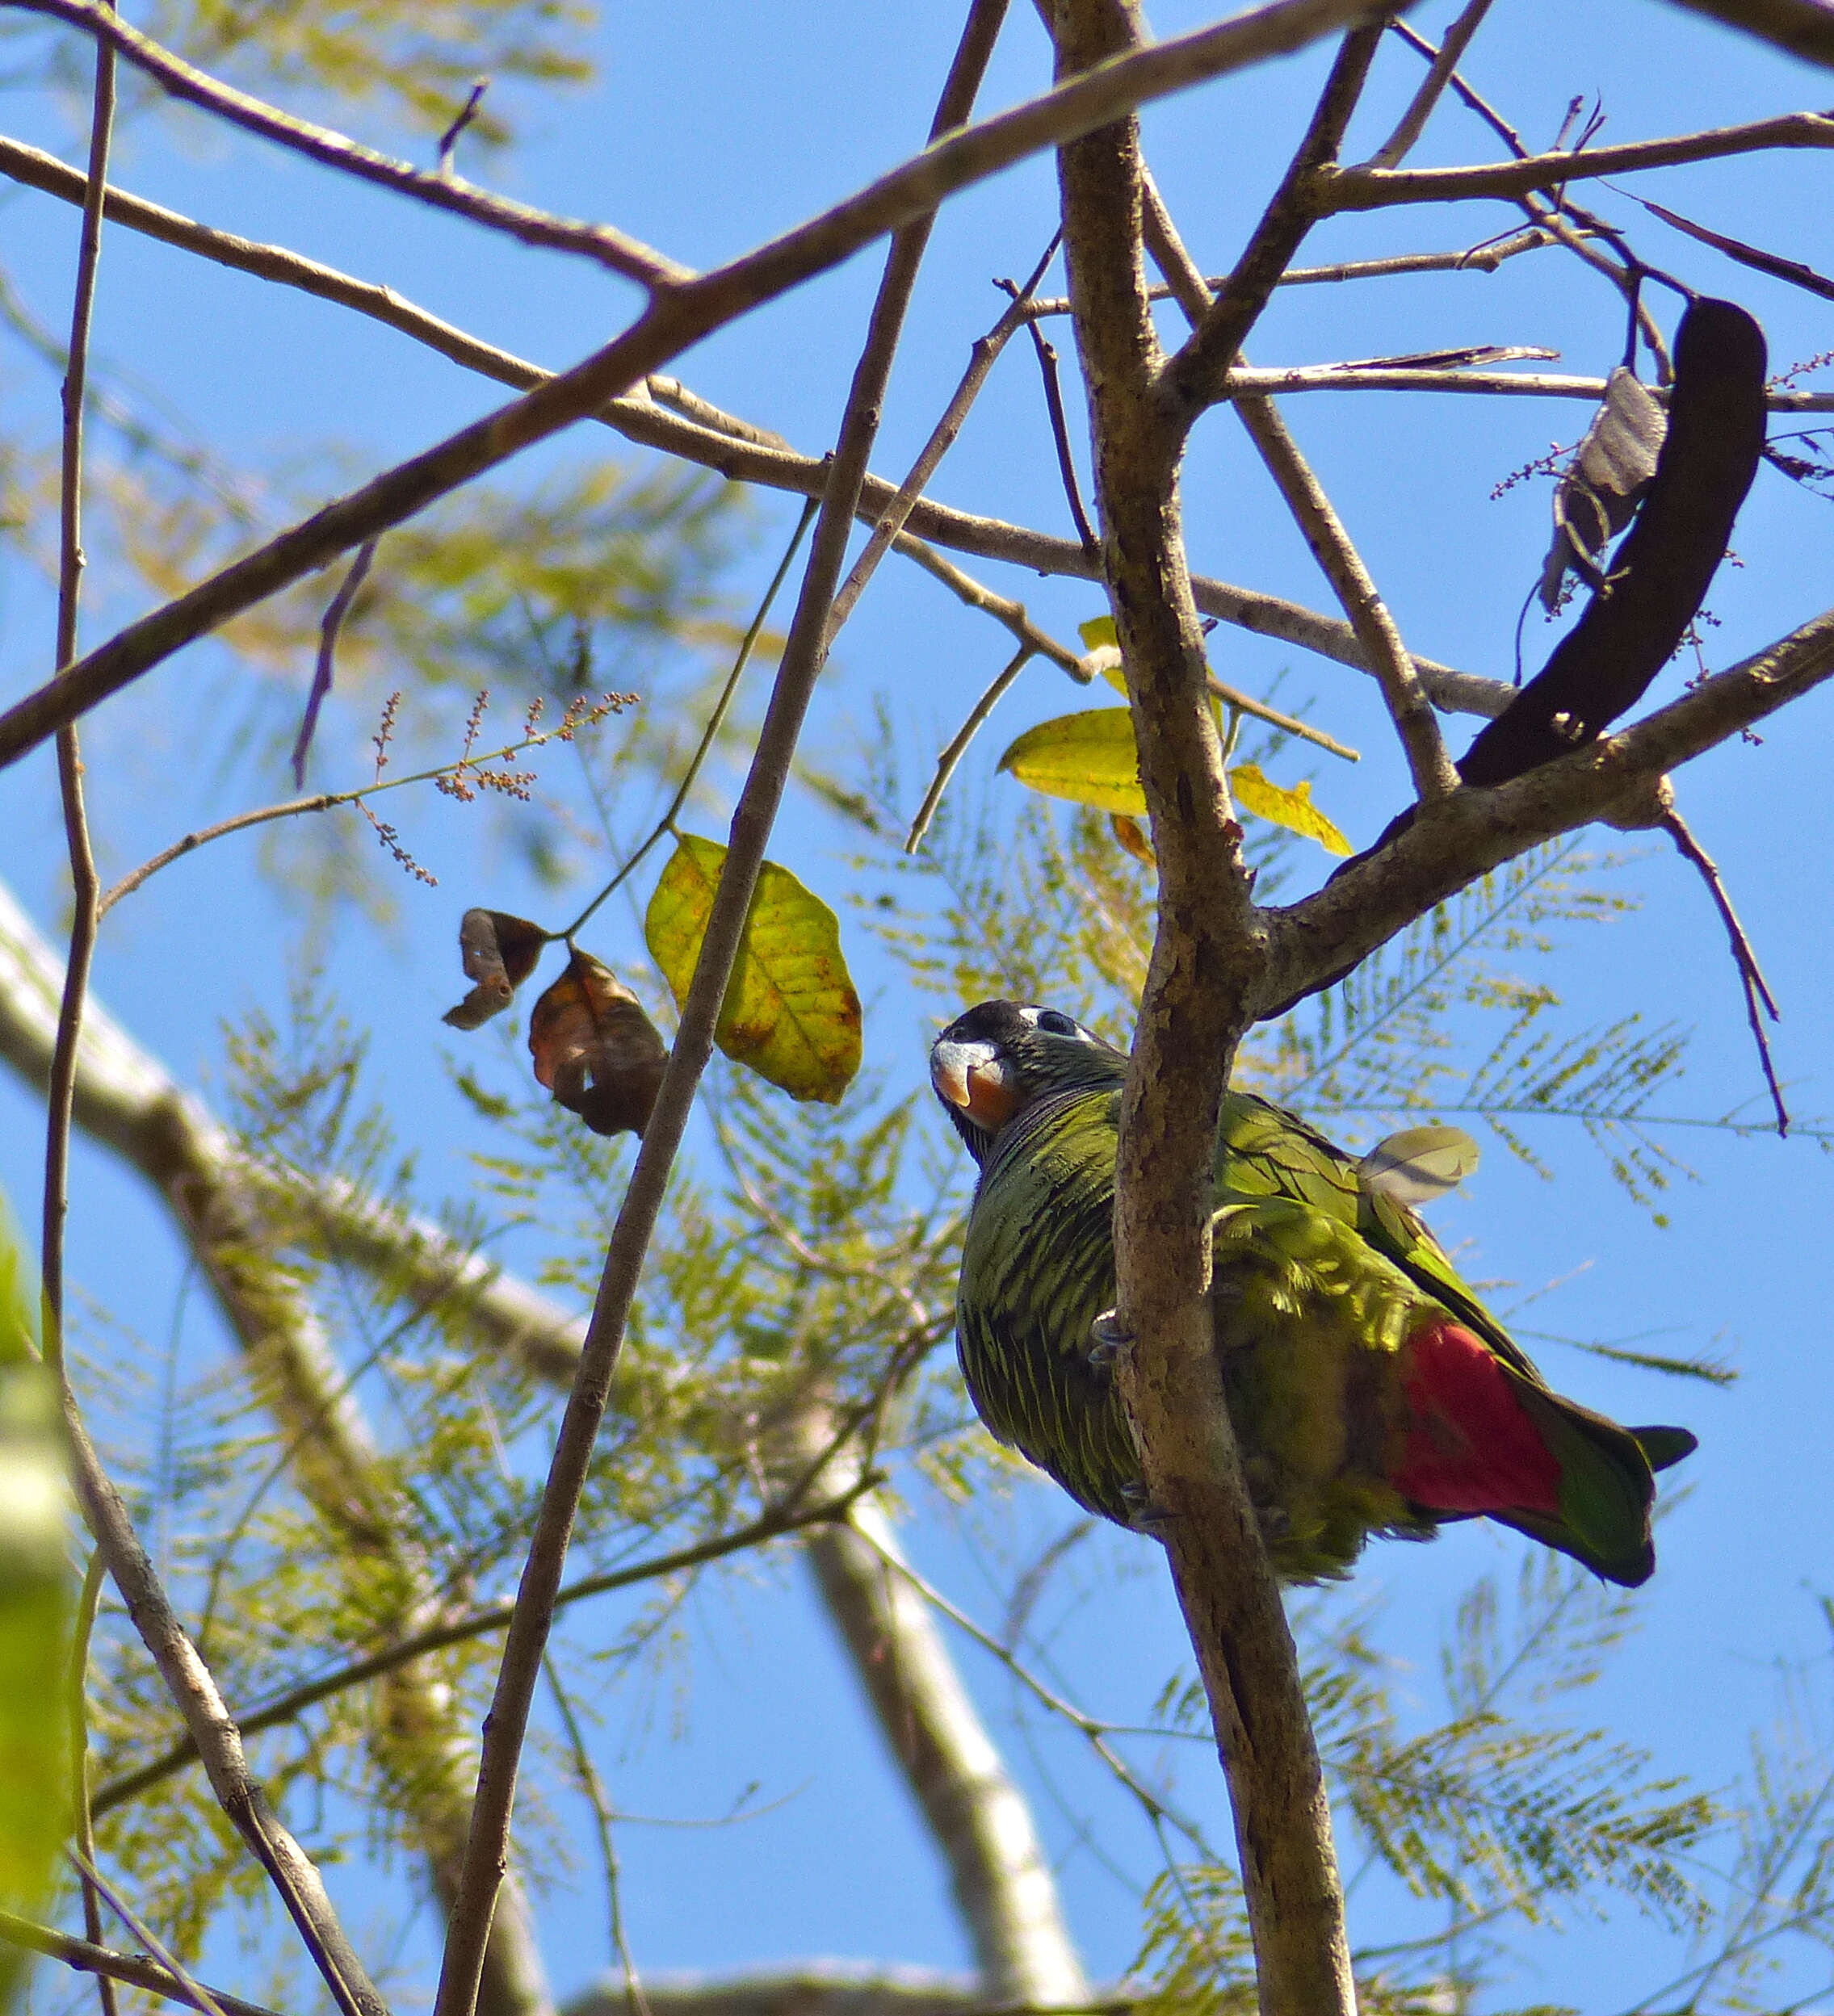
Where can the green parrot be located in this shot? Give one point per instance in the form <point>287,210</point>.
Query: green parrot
<point>1371,1392</point>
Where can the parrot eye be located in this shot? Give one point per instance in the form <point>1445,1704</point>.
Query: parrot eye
<point>1054,1023</point>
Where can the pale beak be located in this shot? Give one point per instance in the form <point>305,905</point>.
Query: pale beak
<point>973,1077</point>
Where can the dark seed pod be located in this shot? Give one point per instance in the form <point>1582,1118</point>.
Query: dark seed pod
<point>1635,621</point>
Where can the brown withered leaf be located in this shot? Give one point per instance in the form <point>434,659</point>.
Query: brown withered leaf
<point>595,1050</point>
<point>1605,482</point>
<point>500,952</point>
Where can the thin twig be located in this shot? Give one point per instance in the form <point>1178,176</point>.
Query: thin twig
<point>328,801</point>
<point>449,139</point>
<point>593,1792</point>
<point>62,1089</point>
<point>87,1957</point>
<point>1758,996</point>
<point>332,622</point>
<point>610,248</point>
<point>1338,190</point>
<point>1046,356</point>
<point>1551,218</point>
<point>958,747</point>
<point>1395,150</point>
<point>714,721</point>
<point>982,357</point>
<point>1485,257</point>
<point>195,1994</point>
<point>1094,1732</point>
<point>506,1725</point>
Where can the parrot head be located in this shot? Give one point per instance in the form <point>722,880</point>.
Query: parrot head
<point>988,1066</point>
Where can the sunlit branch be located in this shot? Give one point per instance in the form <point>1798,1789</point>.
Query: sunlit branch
<point>1342,188</point>
<point>623,255</point>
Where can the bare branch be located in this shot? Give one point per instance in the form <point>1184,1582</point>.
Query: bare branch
<point>959,744</point>
<point>88,1957</point>
<point>1313,943</point>
<point>1395,149</point>
<point>1206,952</point>
<point>1342,189</point>
<point>983,355</point>
<point>623,255</point>
<point>1188,382</point>
<point>1332,546</point>
<point>1759,1001</point>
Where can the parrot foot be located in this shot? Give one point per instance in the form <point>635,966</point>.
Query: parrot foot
<point>1143,1515</point>
<point>1107,1341</point>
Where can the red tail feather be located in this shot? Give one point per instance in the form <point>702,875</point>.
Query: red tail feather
<point>1470,1447</point>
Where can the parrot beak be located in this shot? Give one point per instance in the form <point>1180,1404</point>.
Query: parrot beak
<point>973,1078</point>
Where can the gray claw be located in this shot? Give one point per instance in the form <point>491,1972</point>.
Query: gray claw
<point>1143,1515</point>
<point>1107,1341</point>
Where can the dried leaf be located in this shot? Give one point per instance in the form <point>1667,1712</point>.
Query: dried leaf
<point>1420,1163</point>
<point>1293,809</point>
<point>791,1012</point>
<point>1605,481</point>
<point>1133,837</point>
<point>500,952</point>
<point>1089,758</point>
<point>596,1049</point>
<point>1606,662</point>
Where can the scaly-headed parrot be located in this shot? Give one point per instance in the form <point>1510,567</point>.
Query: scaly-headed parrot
<point>1371,1392</point>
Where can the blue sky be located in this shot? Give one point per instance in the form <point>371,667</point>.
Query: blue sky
<point>711,129</point>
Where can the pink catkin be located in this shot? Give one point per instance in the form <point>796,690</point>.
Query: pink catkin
<point>1470,1446</point>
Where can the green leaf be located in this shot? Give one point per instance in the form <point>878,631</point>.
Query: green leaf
<point>790,1012</point>
<point>34,1507</point>
<point>1089,758</point>
<point>1293,809</point>
<point>1098,633</point>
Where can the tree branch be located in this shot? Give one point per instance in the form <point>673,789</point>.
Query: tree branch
<point>1206,952</point>
<point>1339,189</point>
<point>623,255</point>
<point>1311,943</point>
<point>1400,143</point>
<point>1189,383</point>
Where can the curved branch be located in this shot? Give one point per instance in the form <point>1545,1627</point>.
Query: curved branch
<point>623,255</point>
<point>1377,188</point>
<point>1311,943</point>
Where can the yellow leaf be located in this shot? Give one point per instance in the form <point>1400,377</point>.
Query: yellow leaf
<point>1098,631</point>
<point>1089,758</point>
<point>1293,809</point>
<point>790,1012</point>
